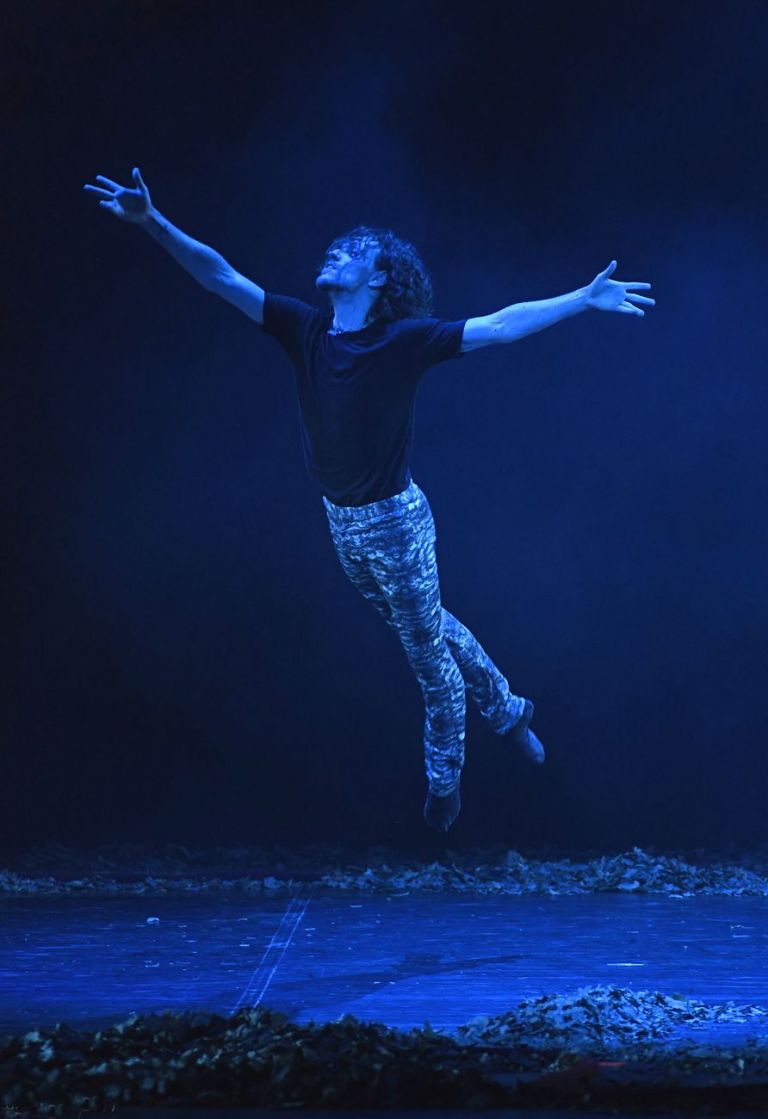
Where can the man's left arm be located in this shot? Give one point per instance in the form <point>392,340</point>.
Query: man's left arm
<point>519,319</point>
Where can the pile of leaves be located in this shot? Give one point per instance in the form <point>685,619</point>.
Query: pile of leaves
<point>131,869</point>
<point>260,1058</point>
<point>256,1057</point>
<point>635,871</point>
<point>601,1020</point>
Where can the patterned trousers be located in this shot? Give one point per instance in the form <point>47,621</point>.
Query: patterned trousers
<point>387,550</point>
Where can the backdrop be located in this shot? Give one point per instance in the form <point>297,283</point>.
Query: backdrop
<point>185,658</point>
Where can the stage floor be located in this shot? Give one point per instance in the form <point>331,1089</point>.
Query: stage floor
<point>399,959</point>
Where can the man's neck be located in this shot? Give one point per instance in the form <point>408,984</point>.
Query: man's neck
<point>349,314</point>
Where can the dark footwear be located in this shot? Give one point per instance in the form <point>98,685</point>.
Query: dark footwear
<point>521,736</point>
<point>440,812</point>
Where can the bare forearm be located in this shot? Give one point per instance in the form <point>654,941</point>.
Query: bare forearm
<point>520,319</point>
<point>200,260</point>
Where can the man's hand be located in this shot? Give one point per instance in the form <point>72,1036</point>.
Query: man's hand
<point>130,205</point>
<point>614,295</point>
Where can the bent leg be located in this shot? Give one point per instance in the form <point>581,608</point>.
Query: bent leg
<point>486,685</point>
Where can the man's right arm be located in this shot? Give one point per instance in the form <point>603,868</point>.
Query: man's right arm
<point>207,266</point>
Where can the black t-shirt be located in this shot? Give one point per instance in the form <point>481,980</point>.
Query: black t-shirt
<point>357,394</point>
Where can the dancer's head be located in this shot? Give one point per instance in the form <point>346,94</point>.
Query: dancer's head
<point>379,270</point>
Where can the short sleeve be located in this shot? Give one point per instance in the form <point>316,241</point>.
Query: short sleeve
<point>435,340</point>
<point>288,320</point>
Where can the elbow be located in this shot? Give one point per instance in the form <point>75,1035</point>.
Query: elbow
<point>217,281</point>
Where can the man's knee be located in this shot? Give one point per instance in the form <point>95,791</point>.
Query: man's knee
<point>422,641</point>
<point>430,658</point>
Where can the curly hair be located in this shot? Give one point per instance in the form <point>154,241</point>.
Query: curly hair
<point>408,292</point>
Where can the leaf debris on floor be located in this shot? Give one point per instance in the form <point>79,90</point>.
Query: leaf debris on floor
<point>258,1057</point>
<point>126,868</point>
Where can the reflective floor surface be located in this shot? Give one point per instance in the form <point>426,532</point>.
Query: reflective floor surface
<point>401,960</point>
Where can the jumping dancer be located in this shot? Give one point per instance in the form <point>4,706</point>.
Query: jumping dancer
<point>357,369</point>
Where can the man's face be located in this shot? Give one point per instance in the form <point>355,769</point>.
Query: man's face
<point>349,266</point>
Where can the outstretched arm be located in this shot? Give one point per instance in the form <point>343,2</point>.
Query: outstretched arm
<point>207,265</point>
<point>519,319</point>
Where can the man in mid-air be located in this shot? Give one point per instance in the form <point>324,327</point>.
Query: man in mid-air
<point>357,370</point>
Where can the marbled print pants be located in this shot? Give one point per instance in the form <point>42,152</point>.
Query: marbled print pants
<point>387,550</point>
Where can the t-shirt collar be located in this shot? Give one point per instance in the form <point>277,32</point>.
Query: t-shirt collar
<point>340,333</point>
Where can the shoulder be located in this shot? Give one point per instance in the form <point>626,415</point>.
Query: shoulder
<point>289,304</point>
<point>425,324</point>
<point>287,310</point>
<point>436,338</point>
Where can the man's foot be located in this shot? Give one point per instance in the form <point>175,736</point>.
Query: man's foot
<point>440,812</point>
<point>521,736</point>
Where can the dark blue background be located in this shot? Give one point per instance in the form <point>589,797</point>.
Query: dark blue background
<point>185,658</point>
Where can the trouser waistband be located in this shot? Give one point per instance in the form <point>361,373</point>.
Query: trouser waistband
<point>342,514</point>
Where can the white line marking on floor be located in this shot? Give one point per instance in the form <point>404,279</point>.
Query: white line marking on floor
<point>291,918</point>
